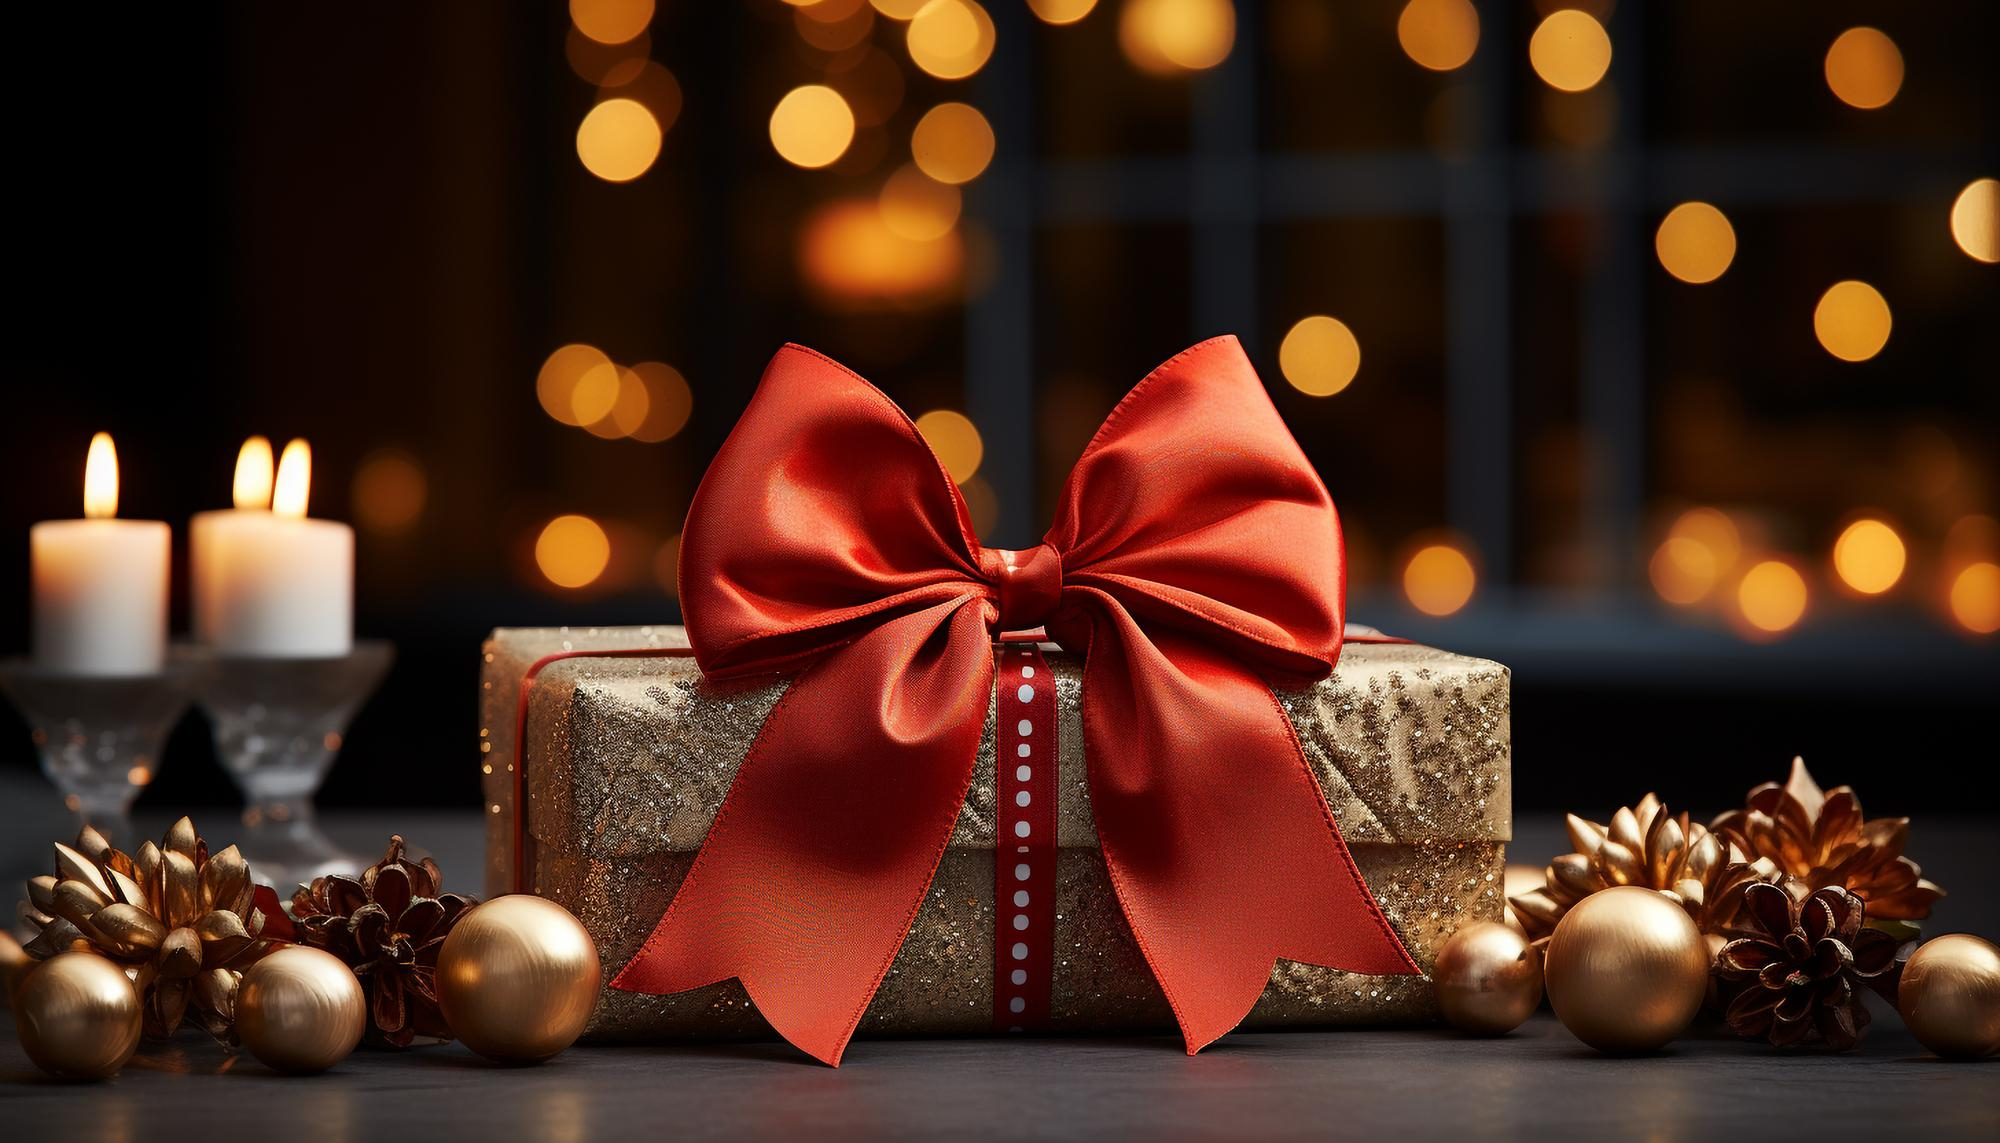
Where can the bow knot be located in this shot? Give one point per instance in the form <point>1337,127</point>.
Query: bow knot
<point>1195,558</point>
<point>1027,585</point>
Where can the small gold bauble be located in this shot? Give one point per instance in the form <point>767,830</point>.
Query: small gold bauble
<point>300,1010</point>
<point>78,1016</point>
<point>1950,996</point>
<point>1488,978</point>
<point>1626,969</point>
<point>517,978</point>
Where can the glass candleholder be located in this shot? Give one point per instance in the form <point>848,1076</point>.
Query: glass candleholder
<point>99,739</point>
<point>278,725</point>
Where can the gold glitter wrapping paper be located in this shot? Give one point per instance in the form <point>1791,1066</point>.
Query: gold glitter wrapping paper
<point>629,758</point>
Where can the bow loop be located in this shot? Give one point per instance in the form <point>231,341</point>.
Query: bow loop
<point>1196,510</point>
<point>824,514</point>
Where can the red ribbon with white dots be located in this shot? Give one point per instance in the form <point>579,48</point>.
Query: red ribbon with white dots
<point>1024,852</point>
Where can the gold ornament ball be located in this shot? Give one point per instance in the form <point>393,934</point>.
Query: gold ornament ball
<point>78,1016</point>
<point>1626,970</point>
<point>300,1010</point>
<point>517,978</point>
<point>1488,978</point>
<point>1950,996</point>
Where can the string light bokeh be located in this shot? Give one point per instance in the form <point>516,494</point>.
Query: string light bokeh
<point>915,245</point>
<point>1659,331</point>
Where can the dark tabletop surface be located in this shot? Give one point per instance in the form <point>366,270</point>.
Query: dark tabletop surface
<point>1422,1083</point>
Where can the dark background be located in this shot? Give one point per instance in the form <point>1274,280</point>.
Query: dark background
<point>367,225</point>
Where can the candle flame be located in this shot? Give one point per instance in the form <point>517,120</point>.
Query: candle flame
<point>253,474</point>
<point>100,479</point>
<point>294,482</point>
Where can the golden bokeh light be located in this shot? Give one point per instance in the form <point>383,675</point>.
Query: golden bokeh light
<point>1975,219</point>
<point>1869,556</point>
<point>611,21</point>
<point>669,402</point>
<point>1169,37</point>
<point>952,143</point>
<point>1319,356</point>
<point>812,126</point>
<point>1852,321</point>
<point>618,140</point>
<point>1695,242</point>
<point>629,405</point>
<point>1864,69</point>
<point>898,9</point>
<point>389,491</point>
<point>1061,12</point>
<point>572,551</point>
<point>1975,597</point>
<point>1684,570</point>
<point>918,207</point>
<point>1570,50</point>
<point>647,84</point>
<point>955,440</point>
<point>1439,34</point>
<point>950,39</point>
<point>1772,596</point>
<point>1713,530</point>
<point>1439,579</point>
<point>847,251</point>
<point>559,376</point>
<point>593,396</point>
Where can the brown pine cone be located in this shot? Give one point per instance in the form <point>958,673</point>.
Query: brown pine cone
<point>180,921</point>
<point>1798,981</point>
<point>388,926</point>
<point>1821,838</point>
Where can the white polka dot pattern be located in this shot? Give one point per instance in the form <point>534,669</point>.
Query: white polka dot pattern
<point>1024,934</point>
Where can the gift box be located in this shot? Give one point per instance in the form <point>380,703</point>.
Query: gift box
<point>626,752</point>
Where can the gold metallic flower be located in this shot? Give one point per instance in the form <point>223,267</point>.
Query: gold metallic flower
<point>1644,845</point>
<point>1821,838</point>
<point>176,918</point>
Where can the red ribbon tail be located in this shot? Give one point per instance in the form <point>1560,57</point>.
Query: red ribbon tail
<point>830,835</point>
<point>1220,844</point>
<point>678,957</point>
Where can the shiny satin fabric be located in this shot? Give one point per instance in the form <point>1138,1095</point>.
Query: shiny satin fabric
<point>1195,560</point>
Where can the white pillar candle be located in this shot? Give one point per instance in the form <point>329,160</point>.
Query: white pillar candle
<point>100,584</point>
<point>268,582</point>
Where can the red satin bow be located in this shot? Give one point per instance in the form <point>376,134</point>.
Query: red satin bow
<point>1195,558</point>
